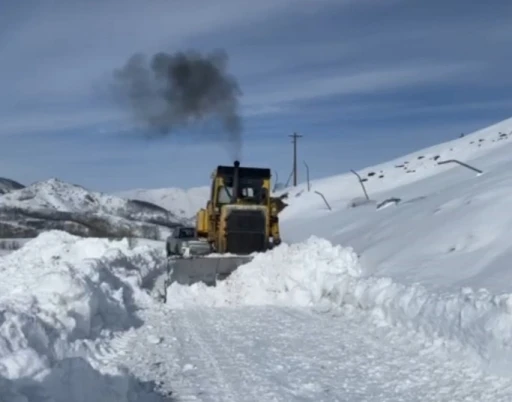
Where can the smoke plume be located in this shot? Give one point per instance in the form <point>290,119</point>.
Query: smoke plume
<point>175,90</point>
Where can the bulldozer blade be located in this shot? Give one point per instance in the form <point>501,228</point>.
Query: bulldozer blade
<point>209,270</point>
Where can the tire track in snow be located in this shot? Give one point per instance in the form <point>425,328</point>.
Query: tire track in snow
<point>224,341</point>
<point>296,355</point>
<point>251,346</point>
<point>189,331</point>
<point>288,355</point>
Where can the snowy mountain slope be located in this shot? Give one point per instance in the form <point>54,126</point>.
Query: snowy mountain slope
<point>7,185</point>
<point>386,177</point>
<point>183,203</point>
<point>57,195</point>
<point>54,204</point>
<point>449,229</point>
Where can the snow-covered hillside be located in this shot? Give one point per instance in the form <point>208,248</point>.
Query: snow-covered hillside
<point>54,204</point>
<point>7,185</point>
<point>448,226</point>
<point>183,203</point>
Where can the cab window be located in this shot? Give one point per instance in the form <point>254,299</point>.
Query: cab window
<point>224,195</point>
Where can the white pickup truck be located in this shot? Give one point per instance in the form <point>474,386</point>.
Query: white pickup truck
<point>184,242</point>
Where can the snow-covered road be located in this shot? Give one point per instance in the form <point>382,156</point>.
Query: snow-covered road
<point>299,323</point>
<point>264,353</point>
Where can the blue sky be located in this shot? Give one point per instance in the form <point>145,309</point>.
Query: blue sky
<point>363,81</point>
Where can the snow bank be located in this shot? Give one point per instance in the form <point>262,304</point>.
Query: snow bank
<point>61,295</point>
<point>317,274</point>
<point>301,274</point>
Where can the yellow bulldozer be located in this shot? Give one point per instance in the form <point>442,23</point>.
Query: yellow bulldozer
<point>240,218</point>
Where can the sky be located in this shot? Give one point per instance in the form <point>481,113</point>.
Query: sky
<point>363,81</point>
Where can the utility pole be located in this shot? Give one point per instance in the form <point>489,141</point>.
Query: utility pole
<point>295,136</point>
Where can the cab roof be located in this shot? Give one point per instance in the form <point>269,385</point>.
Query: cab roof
<point>248,172</point>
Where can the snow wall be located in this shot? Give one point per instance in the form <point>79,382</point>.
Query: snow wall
<point>60,296</point>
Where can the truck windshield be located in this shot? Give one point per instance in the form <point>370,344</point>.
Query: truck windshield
<point>186,233</point>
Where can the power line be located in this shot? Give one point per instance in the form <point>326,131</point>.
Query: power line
<point>295,136</point>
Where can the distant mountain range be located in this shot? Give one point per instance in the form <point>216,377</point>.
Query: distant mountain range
<point>54,204</point>
<point>184,203</point>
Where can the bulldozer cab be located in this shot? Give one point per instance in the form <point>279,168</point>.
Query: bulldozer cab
<point>240,185</point>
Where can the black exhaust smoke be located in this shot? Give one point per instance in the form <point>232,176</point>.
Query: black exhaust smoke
<point>175,90</point>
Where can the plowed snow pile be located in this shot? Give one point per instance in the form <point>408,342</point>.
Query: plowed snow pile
<point>301,274</point>
<point>319,275</point>
<point>60,296</point>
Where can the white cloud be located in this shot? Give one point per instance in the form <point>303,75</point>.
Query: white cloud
<point>59,50</point>
<point>304,88</point>
<point>34,122</point>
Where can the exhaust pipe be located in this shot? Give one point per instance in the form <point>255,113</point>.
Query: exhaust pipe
<point>236,182</point>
